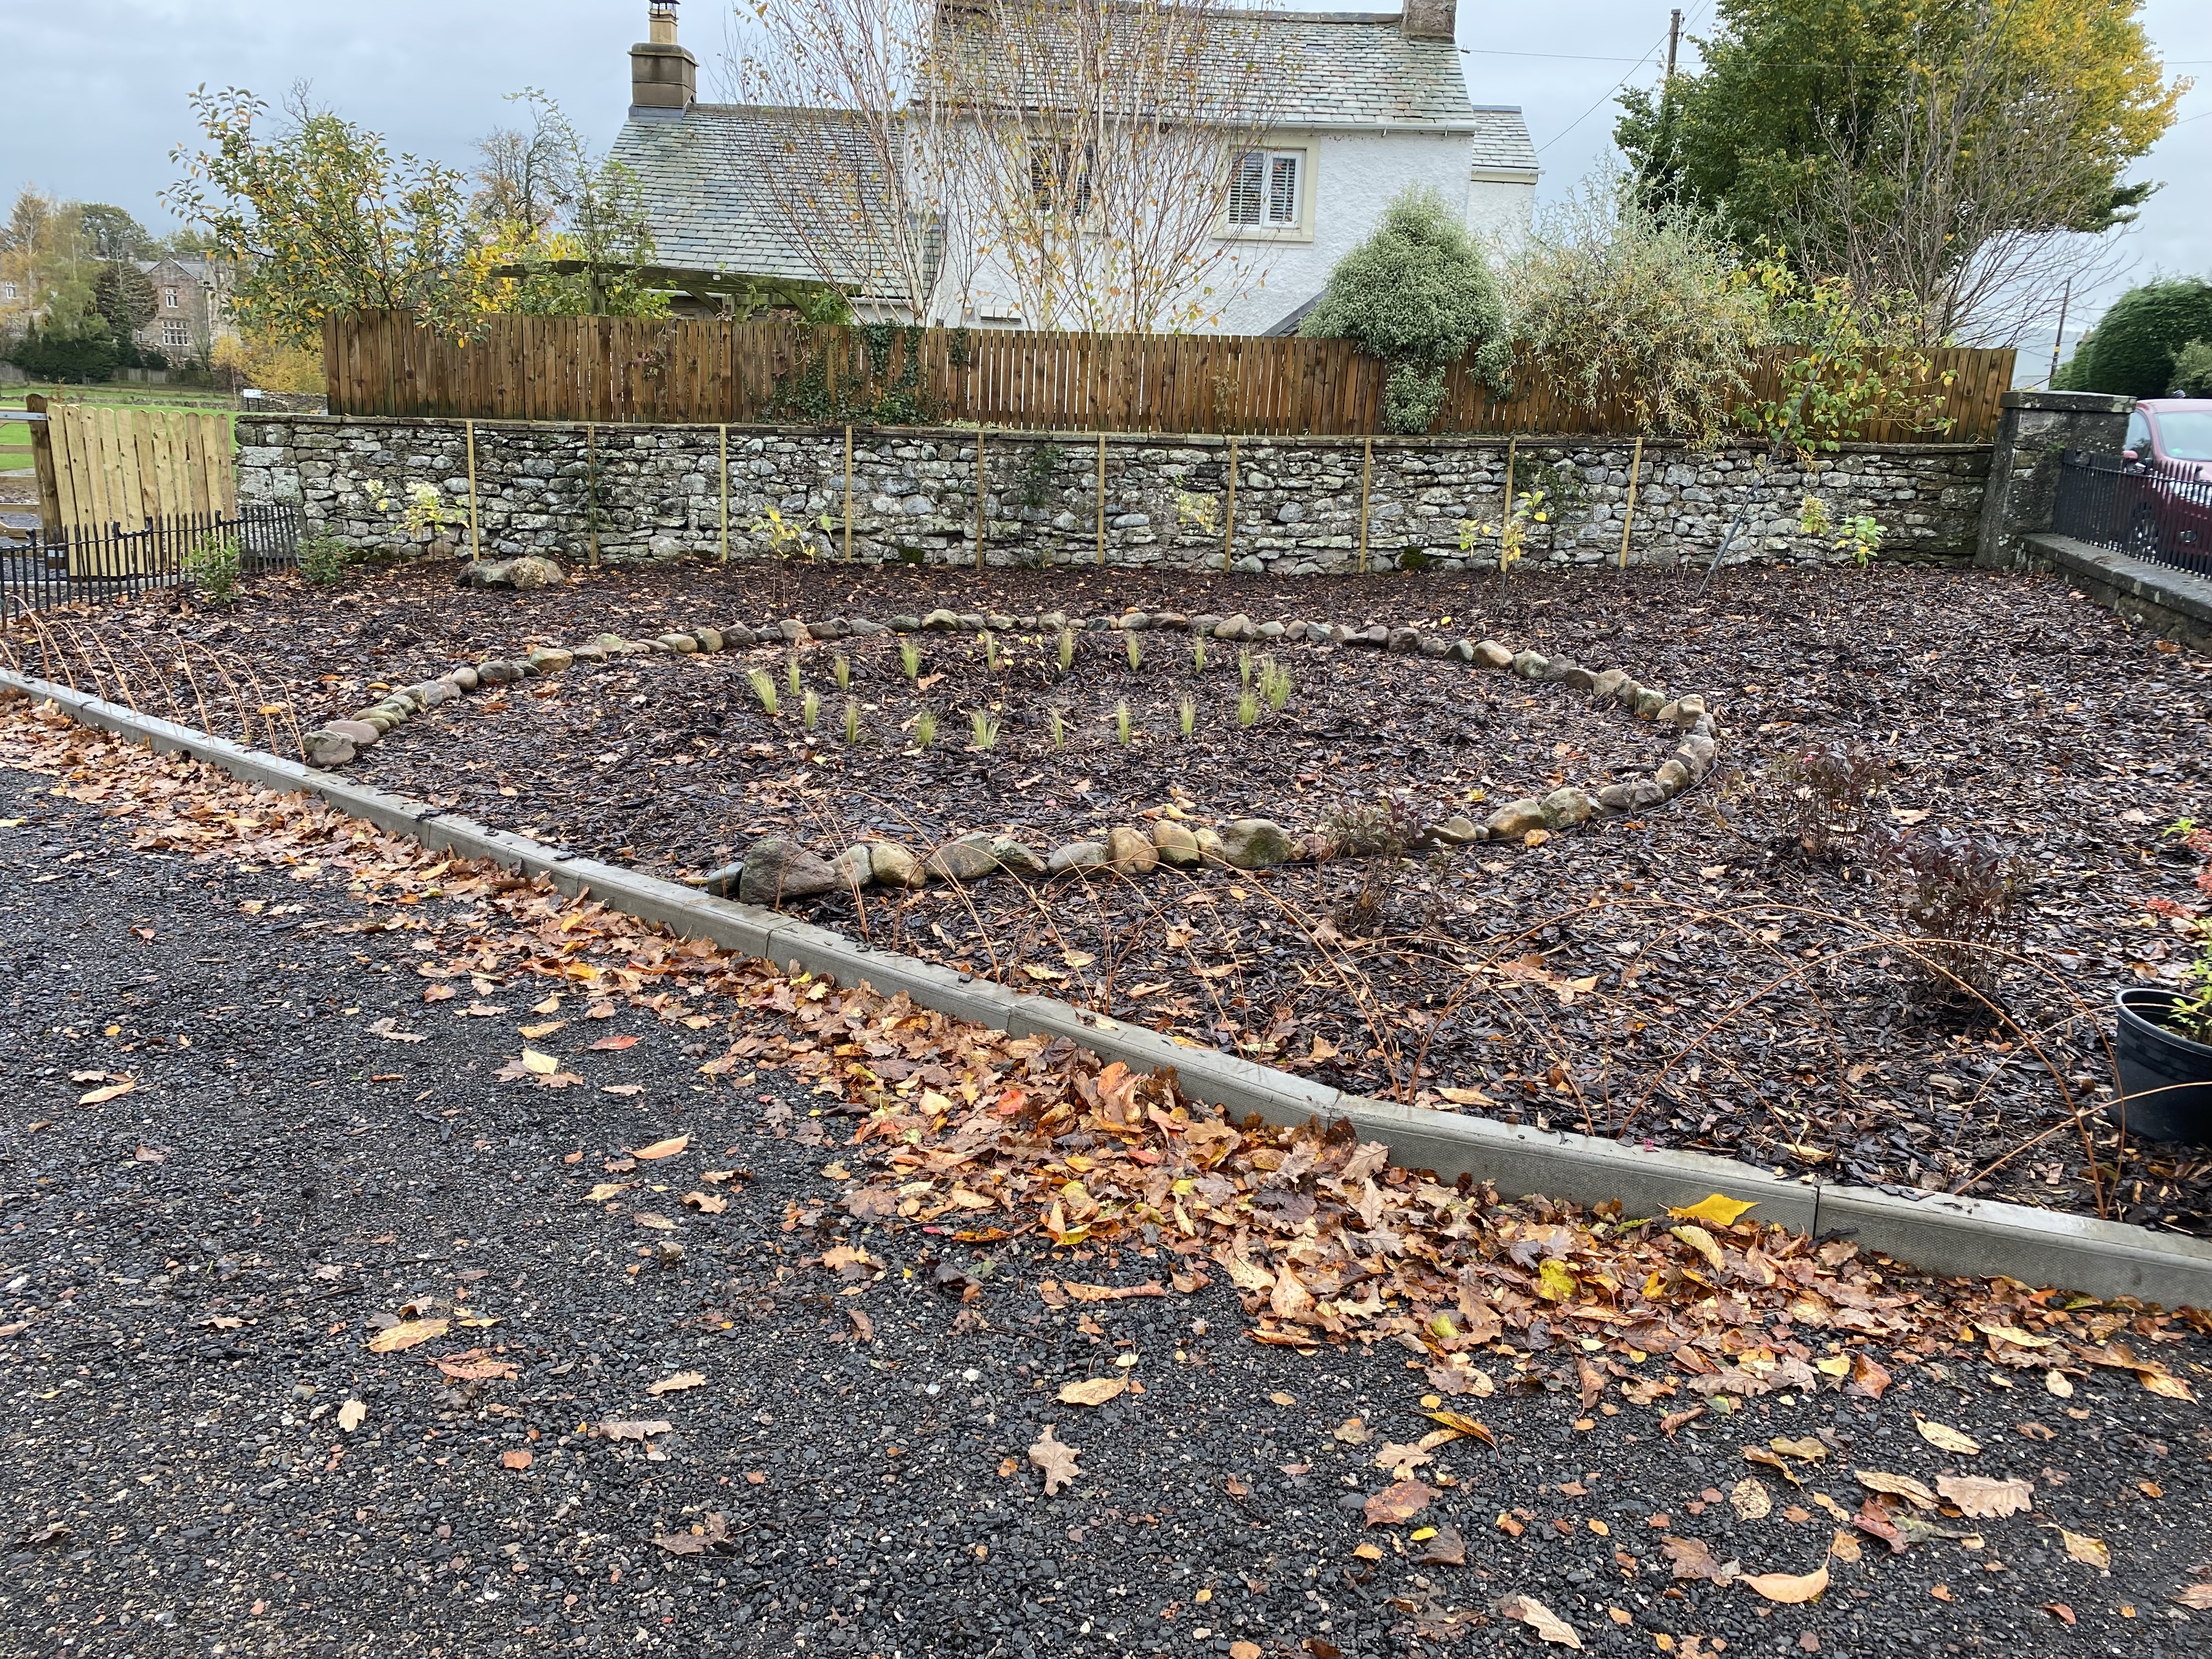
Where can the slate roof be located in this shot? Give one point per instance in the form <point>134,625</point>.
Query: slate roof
<point>705,180</point>
<point>1502,142</point>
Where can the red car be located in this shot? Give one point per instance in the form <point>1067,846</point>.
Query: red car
<point>2169,449</point>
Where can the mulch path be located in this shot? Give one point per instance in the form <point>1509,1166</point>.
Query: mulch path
<point>335,1322</point>
<point>1687,977</point>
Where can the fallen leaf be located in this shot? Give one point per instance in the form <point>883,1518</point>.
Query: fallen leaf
<point>1985,1499</point>
<point>2054,1382</point>
<point>1400,1460</point>
<point>626,1090</point>
<point>1109,1292</point>
<point>351,1415</point>
<point>468,1368</point>
<point>113,1092</point>
<point>659,1223</point>
<point>1674,1420</point>
<point>707,1203</point>
<point>2197,1597</point>
<point>2167,1385</point>
<point>517,1459</point>
<point>534,1032</point>
<point>1095,1392</point>
<point>440,993</point>
<point>550,1006</point>
<point>1056,1459</point>
<point>406,1334</point>
<point>1399,1503</point>
<point>863,1326</point>
<point>1281,1399</point>
<point>615,1044</point>
<point>1807,1449</point>
<point>661,1149</point>
<point>1466,1097</point>
<point>1790,1588</point>
<point>1844,1548</point>
<point>604,1191</point>
<point>1447,1549</point>
<point>388,1029</point>
<point>1352,1433</point>
<point>1720,1210</point>
<point>539,1065</point>
<point>2090,1552</point>
<point>2061,1612</point>
<point>1460,1423</point>
<point>1548,1625</point>
<point>677,1383</point>
<point>632,1431</point>
<point>1867,1377</point>
<point>1897,1486</point>
<point>1750,1499</point>
<point>1701,1242</point>
<point>1945,1438</point>
<point>601,1011</point>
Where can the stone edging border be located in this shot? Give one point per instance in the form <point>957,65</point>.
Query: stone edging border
<point>1937,1233</point>
<point>775,869</point>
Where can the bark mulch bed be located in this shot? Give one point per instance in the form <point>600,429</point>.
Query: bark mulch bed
<point>1690,977</point>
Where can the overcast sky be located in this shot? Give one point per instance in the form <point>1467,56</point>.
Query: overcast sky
<point>97,88</point>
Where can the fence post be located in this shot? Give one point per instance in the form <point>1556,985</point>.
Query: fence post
<point>725,481</point>
<point>979,498</point>
<point>1102,498</point>
<point>849,493</point>
<point>1628,514</point>
<point>1229,532</point>
<point>476,537</point>
<point>42,458</point>
<point>591,487</point>
<point>1366,477</point>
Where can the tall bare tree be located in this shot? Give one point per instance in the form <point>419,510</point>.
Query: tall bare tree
<point>1104,140</point>
<point>859,172</point>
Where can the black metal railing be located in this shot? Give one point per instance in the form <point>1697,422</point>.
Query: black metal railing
<point>2159,510</point>
<point>202,550</point>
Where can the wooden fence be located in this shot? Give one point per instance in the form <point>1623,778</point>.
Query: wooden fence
<point>610,369</point>
<point>99,467</point>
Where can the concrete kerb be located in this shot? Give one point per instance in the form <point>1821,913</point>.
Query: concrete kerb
<point>1937,1233</point>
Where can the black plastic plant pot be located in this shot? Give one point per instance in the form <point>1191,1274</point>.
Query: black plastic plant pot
<point>2166,1078</point>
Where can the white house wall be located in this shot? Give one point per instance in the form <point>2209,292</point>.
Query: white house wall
<point>1354,178</point>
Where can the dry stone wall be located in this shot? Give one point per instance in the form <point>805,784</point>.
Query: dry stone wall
<point>628,494</point>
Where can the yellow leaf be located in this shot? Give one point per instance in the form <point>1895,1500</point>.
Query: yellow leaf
<point>2162,1383</point>
<point>1791,1588</point>
<point>603,1192</point>
<point>1095,1392</point>
<point>533,1032</point>
<point>1553,1282</point>
<point>1944,1438</point>
<point>1701,1242</point>
<point>1834,1365</point>
<point>1721,1211</point>
<point>660,1149</point>
<point>2090,1552</point>
<point>113,1092</point>
<point>406,1335</point>
<point>539,1065</point>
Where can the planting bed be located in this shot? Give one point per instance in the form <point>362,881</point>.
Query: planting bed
<point>1684,973</point>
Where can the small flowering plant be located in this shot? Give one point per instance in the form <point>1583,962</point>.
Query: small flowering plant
<point>2191,1011</point>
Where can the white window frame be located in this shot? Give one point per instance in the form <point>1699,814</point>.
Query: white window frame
<point>1272,225</point>
<point>171,300</point>
<point>7,290</point>
<point>176,337</point>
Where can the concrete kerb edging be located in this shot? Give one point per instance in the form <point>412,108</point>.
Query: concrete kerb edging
<point>1939,1233</point>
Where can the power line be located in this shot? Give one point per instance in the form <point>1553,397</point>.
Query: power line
<point>1610,92</point>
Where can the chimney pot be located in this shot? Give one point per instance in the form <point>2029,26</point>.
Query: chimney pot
<point>1430,20</point>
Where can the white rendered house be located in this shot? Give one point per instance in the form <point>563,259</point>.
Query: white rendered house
<point>1372,103</point>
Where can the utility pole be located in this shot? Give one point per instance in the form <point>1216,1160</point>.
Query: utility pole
<point>2058,344</point>
<point>1674,39</point>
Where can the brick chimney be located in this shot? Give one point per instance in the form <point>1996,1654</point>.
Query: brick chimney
<point>1430,20</point>
<point>663,78</point>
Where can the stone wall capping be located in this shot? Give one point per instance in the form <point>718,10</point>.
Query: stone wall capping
<point>1935,1232</point>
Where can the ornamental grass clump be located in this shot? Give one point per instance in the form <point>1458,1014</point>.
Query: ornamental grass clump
<point>1247,711</point>
<point>925,729</point>
<point>852,723</point>
<point>1136,653</point>
<point>841,670</point>
<point>1187,717</point>
<point>1198,655</point>
<point>990,643</point>
<point>1056,725</point>
<point>983,730</point>
<point>909,659</point>
<point>810,710</point>
<point>1121,724</point>
<point>763,685</point>
<point>1066,650</point>
<point>790,675</point>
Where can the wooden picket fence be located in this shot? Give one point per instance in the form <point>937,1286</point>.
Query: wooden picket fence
<point>99,467</point>
<point>612,369</point>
